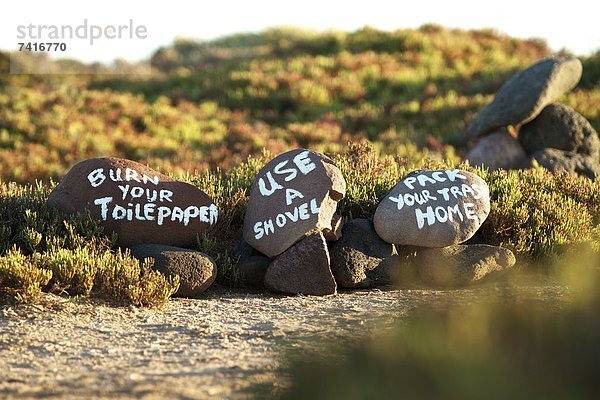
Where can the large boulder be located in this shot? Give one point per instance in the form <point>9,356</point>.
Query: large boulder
<point>295,193</point>
<point>303,269</point>
<point>462,265</point>
<point>499,150</point>
<point>566,161</point>
<point>137,203</point>
<point>522,97</point>
<point>196,270</point>
<point>560,127</point>
<point>433,209</point>
<point>356,257</point>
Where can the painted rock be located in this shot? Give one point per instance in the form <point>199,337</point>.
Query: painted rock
<point>137,203</point>
<point>433,209</point>
<point>295,193</point>
<point>524,96</point>
<point>196,270</point>
<point>303,269</point>
<point>462,265</point>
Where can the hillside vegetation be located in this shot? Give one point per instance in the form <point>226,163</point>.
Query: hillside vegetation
<point>402,98</point>
<point>214,103</point>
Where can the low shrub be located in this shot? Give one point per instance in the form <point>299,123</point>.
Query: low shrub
<point>44,250</point>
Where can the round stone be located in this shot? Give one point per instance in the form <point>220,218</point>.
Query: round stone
<point>560,127</point>
<point>196,270</point>
<point>433,209</point>
<point>499,150</point>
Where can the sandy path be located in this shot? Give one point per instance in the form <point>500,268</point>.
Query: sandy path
<point>222,346</point>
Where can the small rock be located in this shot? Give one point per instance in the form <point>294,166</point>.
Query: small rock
<point>303,269</point>
<point>196,270</point>
<point>462,265</point>
<point>560,127</point>
<point>295,193</point>
<point>356,257</point>
<point>253,269</point>
<point>564,161</point>
<point>433,209</point>
<point>251,264</point>
<point>335,233</point>
<point>522,97</point>
<point>137,203</point>
<point>499,150</point>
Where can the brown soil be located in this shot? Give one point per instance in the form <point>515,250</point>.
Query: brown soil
<point>225,345</point>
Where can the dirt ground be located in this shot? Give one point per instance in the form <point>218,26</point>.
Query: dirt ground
<point>225,345</point>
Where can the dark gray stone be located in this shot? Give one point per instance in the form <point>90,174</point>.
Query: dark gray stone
<point>303,269</point>
<point>253,269</point>
<point>196,270</point>
<point>433,209</point>
<point>564,161</point>
<point>241,249</point>
<point>356,257</point>
<point>462,265</point>
<point>499,150</point>
<point>560,127</point>
<point>294,194</point>
<point>522,97</point>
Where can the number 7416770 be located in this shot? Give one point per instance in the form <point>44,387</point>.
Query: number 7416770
<point>43,46</point>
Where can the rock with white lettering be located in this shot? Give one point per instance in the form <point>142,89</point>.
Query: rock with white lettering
<point>137,203</point>
<point>196,270</point>
<point>303,269</point>
<point>524,96</point>
<point>295,193</point>
<point>433,209</point>
<point>462,265</point>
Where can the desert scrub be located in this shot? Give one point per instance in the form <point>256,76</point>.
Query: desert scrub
<point>27,223</point>
<point>370,174</point>
<point>44,250</point>
<point>20,277</point>
<point>536,213</point>
<point>212,104</point>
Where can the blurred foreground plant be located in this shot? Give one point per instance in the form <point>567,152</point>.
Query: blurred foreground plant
<point>497,347</point>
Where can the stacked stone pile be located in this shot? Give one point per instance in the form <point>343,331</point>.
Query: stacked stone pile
<point>550,134</point>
